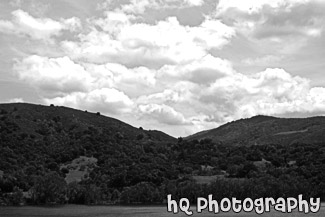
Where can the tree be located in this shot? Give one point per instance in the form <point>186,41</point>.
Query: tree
<point>115,197</point>
<point>143,192</point>
<point>76,193</point>
<point>92,194</point>
<point>50,189</point>
<point>16,198</point>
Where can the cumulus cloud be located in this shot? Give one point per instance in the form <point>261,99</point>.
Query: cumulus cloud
<point>234,96</point>
<point>62,75</point>
<point>274,19</point>
<point>203,93</point>
<point>201,71</point>
<point>163,114</point>
<point>53,75</point>
<point>271,92</point>
<point>107,100</point>
<point>195,2</point>
<point>140,6</point>
<point>140,44</point>
<point>37,28</point>
<point>134,82</point>
<point>276,30</point>
<point>255,6</point>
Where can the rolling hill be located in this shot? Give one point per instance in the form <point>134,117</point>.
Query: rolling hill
<point>32,119</point>
<point>58,155</point>
<point>261,130</point>
<point>51,146</point>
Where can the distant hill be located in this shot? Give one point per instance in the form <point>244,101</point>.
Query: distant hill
<point>261,130</point>
<point>28,118</point>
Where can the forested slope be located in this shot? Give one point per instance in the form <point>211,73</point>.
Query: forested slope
<point>53,155</point>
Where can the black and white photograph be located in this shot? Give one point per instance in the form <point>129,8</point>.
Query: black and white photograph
<point>162,108</point>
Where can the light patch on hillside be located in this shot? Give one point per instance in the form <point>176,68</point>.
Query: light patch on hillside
<point>79,168</point>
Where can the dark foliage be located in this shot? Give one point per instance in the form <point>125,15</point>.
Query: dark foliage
<point>139,166</point>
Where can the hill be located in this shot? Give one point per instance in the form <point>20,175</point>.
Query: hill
<point>261,130</point>
<point>57,155</point>
<point>54,142</point>
<point>37,119</point>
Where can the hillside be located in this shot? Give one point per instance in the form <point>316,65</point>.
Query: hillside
<point>36,119</point>
<point>43,144</point>
<point>57,155</point>
<point>261,130</point>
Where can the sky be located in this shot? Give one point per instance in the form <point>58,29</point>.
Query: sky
<point>179,66</point>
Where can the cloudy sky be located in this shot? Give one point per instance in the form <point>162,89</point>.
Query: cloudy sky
<point>179,66</point>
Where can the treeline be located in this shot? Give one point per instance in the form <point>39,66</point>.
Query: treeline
<point>132,170</point>
<point>149,184</point>
<point>52,189</point>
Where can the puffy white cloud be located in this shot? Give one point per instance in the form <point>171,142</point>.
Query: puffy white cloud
<point>195,2</point>
<point>140,6</point>
<point>203,94</point>
<point>278,31</point>
<point>274,19</point>
<point>201,71</point>
<point>62,75</point>
<point>315,97</point>
<point>37,28</point>
<point>140,44</point>
<point>53,75</point>
<point>163,114</point>
<point>255,6</point>
<point>134,82</point>
<point>72,24</point>
<point>113,22</point>
<point>107,100</point>
<point>271,92</point>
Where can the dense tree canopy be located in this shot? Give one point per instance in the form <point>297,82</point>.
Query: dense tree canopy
<point>139,168</point>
